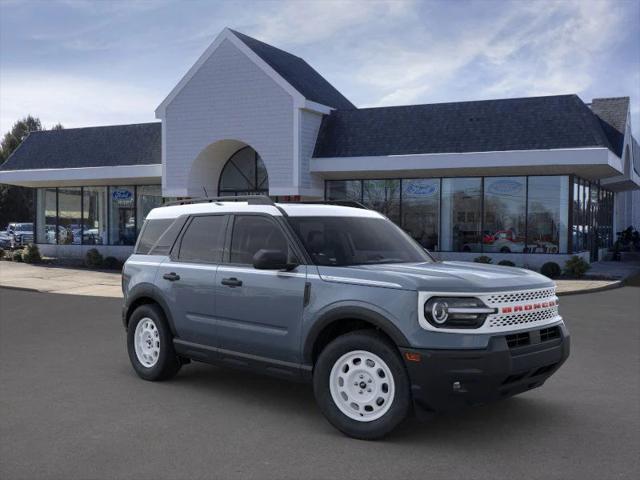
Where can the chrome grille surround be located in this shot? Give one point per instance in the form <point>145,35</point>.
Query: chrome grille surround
<point>531,315</point>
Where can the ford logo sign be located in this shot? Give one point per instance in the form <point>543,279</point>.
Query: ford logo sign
<point>121,195</point>
<point>419,189</point>
<point>505,187</point>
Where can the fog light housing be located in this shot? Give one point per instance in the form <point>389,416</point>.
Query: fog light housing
<point>456,312</point>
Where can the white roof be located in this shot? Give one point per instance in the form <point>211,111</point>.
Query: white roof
<point>292,209</point>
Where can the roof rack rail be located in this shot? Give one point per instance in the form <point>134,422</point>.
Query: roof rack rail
<point>341,203</point>
<point>250,199</point>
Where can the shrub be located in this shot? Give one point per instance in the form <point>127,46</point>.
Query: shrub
<point>482,259</point>
<point>111,263</point>
<point>506,263</point>
<point>576,266</point>
<point>32,254</point>
<point>17,256</point>
<point>93,259</point>
<point>1,254</point>
<point>551,270</point>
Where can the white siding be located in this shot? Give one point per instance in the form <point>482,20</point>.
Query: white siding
<point>228,98</point>
<point>309,127</point>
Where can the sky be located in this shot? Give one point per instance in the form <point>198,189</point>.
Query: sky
<point>104,62</point>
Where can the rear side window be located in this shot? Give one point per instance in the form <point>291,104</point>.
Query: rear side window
<point>204,239</point>
<point>151,233</point>
<point>252,233</point>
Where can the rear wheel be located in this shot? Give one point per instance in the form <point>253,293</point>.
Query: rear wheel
<point>361,385</point>
<point>150,344</point>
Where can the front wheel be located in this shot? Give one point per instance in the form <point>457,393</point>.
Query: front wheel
<point>361,385</point>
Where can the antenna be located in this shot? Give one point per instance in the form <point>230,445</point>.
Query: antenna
<point>205,191</point>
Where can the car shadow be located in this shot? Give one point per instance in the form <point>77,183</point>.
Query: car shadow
<point>465,427</point>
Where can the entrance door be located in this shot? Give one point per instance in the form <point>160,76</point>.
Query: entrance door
<point>259,312</point>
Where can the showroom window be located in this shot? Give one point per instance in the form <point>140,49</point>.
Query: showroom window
<point>489,214</point>
<point>69,216</point>
<point>382,196</point>
<point>421,211</point>
<point>46,215</point>
<point>94,215</point>
<point>461,214</point>
<point>122,215</point>
<point>148,198</point>
<point>505,215</point>
<point>344,190</point>
<point>547,218</point>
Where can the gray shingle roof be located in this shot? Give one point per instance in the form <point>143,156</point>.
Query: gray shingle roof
<point>298,73</point>
<point>137,144</point>
<point>612,113</point>
<point>562,121</point>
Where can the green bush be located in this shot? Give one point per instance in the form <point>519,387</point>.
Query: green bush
<point>551,270</point>
<point>576,266</point>
<point>1,254</point>
<point>111,263</point>
<point>17,256</point>
<point>482,259</point>
<point>32,254</point>
<point>506,263</point>
<point>93,258</point>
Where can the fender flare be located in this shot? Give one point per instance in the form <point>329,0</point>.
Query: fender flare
<point>149,291</point>
<point>355,312</point>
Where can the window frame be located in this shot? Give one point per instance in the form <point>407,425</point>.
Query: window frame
<point>174,254</point>
<point>294,247</point>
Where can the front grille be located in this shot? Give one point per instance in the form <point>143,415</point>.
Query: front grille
<point>521,309</point>
<point>523,318</point>
<point>518,297</point>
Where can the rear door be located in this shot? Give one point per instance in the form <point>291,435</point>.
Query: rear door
<point>187,278</point>
<point>259,312</point>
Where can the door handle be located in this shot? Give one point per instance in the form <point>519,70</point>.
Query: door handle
<point>172,277</point>
<point>231,282</point>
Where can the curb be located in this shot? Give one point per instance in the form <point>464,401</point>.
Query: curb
<point>616,284</point>
<point>24,289</point>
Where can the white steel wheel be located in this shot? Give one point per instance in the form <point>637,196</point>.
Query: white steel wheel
<point>362,385</point>
<point>146,340</point>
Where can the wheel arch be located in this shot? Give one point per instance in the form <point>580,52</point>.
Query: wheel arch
<point>144,295</point>
<point>342,320</point>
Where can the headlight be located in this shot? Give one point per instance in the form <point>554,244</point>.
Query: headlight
<point>456,312</point>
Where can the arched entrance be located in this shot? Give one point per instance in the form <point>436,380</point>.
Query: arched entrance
<point>244,174</point>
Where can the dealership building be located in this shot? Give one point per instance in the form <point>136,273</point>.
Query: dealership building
<point>526,179</point>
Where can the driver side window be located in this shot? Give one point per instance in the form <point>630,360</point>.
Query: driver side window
<point>252,233</point>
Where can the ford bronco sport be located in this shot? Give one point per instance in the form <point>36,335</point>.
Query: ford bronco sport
<point>338,296</point>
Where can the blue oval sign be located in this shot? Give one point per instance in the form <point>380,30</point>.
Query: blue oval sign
<point>418,189</point>
<point>505,187</point>
<point>122,195</point>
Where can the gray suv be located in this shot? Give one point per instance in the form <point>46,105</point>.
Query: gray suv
<point>338,296</point>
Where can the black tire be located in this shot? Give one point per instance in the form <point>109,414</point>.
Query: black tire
<point>505,250</point>
<point>168,362</point>
<point>370,341</point>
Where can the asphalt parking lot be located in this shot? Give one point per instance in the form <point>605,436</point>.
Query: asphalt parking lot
<point>71,407</point>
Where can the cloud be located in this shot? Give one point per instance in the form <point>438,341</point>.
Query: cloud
<point>294,22</point>
<point>71,100</point>
<point>528,49</point>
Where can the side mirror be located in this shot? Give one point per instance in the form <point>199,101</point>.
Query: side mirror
<point>271,260</point>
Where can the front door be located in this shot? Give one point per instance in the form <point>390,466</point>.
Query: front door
<point>259,312</point>
<point>187,280</point>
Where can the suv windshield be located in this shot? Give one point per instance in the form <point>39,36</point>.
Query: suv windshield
<point>343,241</point>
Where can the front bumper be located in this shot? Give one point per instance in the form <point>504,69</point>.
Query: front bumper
<point>444,380</point>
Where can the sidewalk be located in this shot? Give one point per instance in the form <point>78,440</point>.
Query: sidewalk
<point>78,281</point>
<point>72,281</point>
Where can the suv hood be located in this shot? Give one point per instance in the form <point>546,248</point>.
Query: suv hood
<point>441,276</point>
